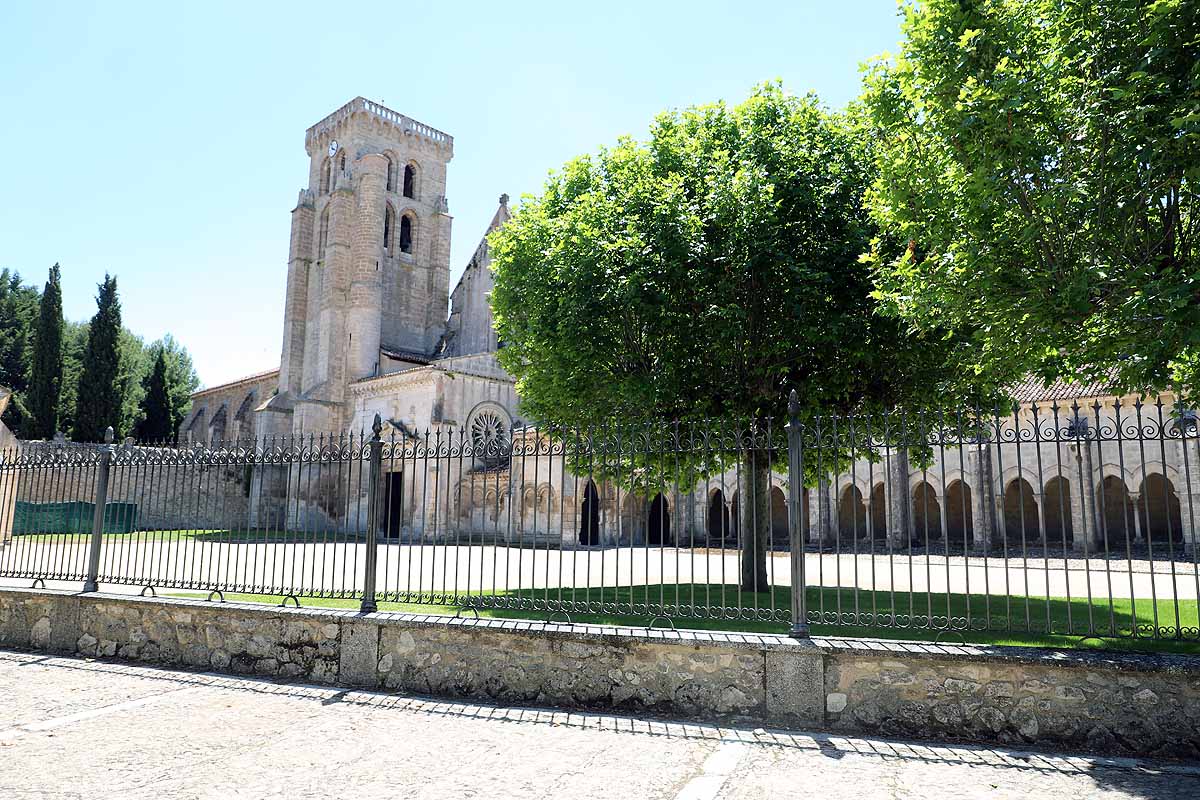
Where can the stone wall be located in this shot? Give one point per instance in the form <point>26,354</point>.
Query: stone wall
<point>1093,701</point>
<point>1140,703</point>
<point>171,491</point>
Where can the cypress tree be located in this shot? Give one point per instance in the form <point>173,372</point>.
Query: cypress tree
<point>98,402</point>
<point>45,386</point>
<point>158,416</point>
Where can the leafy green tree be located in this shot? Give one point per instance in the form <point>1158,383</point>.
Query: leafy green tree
<point>18,311</point>
<point>700,275</point>
<point>157,412</point>
<point>45,387</point>
<point>1038,168</point>
<point>99,400</point>
<point>167,390</point>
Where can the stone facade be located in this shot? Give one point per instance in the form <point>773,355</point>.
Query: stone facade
<point>1095,701</point>
<point>227,413</point>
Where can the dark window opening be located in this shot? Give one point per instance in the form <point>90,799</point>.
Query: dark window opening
<point>410,180</point>
<point>405,235</point>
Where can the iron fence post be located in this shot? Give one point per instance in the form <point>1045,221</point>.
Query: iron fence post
<point>374,479</point>
<point>91,583</point>
<point>795,516</point>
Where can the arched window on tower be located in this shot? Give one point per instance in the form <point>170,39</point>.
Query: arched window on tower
<point>406,237</point>
<point>410,181</point>
<point>391,173</point>
<point>389,225</point>
<point>325,176</point>
<point>342,161</point>
<point>323,238</point>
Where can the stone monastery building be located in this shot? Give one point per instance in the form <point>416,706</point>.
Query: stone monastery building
<point>371,327</point>
<point>365,327</point>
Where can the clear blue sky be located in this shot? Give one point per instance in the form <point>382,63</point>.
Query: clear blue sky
<point>165,142</point>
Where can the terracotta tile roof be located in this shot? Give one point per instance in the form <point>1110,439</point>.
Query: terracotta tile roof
<point>258,376</point>
<point>1033,389</point>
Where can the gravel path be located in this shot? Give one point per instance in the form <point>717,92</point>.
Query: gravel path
<point>72,728</point>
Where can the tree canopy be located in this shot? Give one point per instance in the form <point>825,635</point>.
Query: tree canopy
<point>1037,184</point>
<point>702,274</point>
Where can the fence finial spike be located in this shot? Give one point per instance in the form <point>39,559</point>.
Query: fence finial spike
<point>377,425</point>
<point>109,435</point>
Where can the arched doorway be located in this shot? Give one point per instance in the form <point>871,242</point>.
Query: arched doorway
<point>658,523</point>
<point>1116,511</point>
<point>1158,510</point>
<point>718,517</point>
<point>927,513</point>
<point>878,512</point>
<point>1056,504</point>
<point>960,529</point>
<point>779,517</point>
<point>852,514</point>
<point>589,516</point>
<point>1021,513</point>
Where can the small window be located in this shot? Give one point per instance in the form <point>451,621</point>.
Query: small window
<point>410,181</point>
<point>342,162</point>
<point>406,234</point>
<point>391,173</point>
<point>325,177</point>
<point>389,222</point>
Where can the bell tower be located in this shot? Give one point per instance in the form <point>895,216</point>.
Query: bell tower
<point>368,261</point>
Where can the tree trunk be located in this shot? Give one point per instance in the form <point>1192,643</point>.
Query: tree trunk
<point>755,523</point>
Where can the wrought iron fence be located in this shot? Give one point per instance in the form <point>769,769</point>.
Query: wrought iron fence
<point>1046,518</point>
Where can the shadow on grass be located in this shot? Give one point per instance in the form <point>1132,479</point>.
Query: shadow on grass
<point>835,612</point>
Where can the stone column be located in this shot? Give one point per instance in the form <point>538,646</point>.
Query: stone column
<point>813,533</point>
<point>825,513</point>
<point>900,530</point>
<point>983,502</point>
<point>1083,517</point>
<point>1188,464</point>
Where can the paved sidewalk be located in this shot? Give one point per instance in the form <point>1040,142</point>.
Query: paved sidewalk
<point>73,728</point>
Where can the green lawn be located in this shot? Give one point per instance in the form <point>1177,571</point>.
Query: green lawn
<point>1026,614</point>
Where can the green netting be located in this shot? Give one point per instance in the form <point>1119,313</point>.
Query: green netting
<point>72,517</point>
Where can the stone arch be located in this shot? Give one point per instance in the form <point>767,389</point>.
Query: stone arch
<point>1141,471</point>
<point>717,516</point>
<point>1056,508</point>
<point>247,405</point>
<point>658,521</point>
<point>197,425</point>
<point>852,513</point>
<point>324,182</point>
<point>1115,510</point>
<point>411,178</point>
<point>1158,509</point>
<point>960,525</point>
<point>217,427</point>
<point>1021,512</point>
<point>779,516</point>
<point>589,515</point>
<point>926,512</point>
